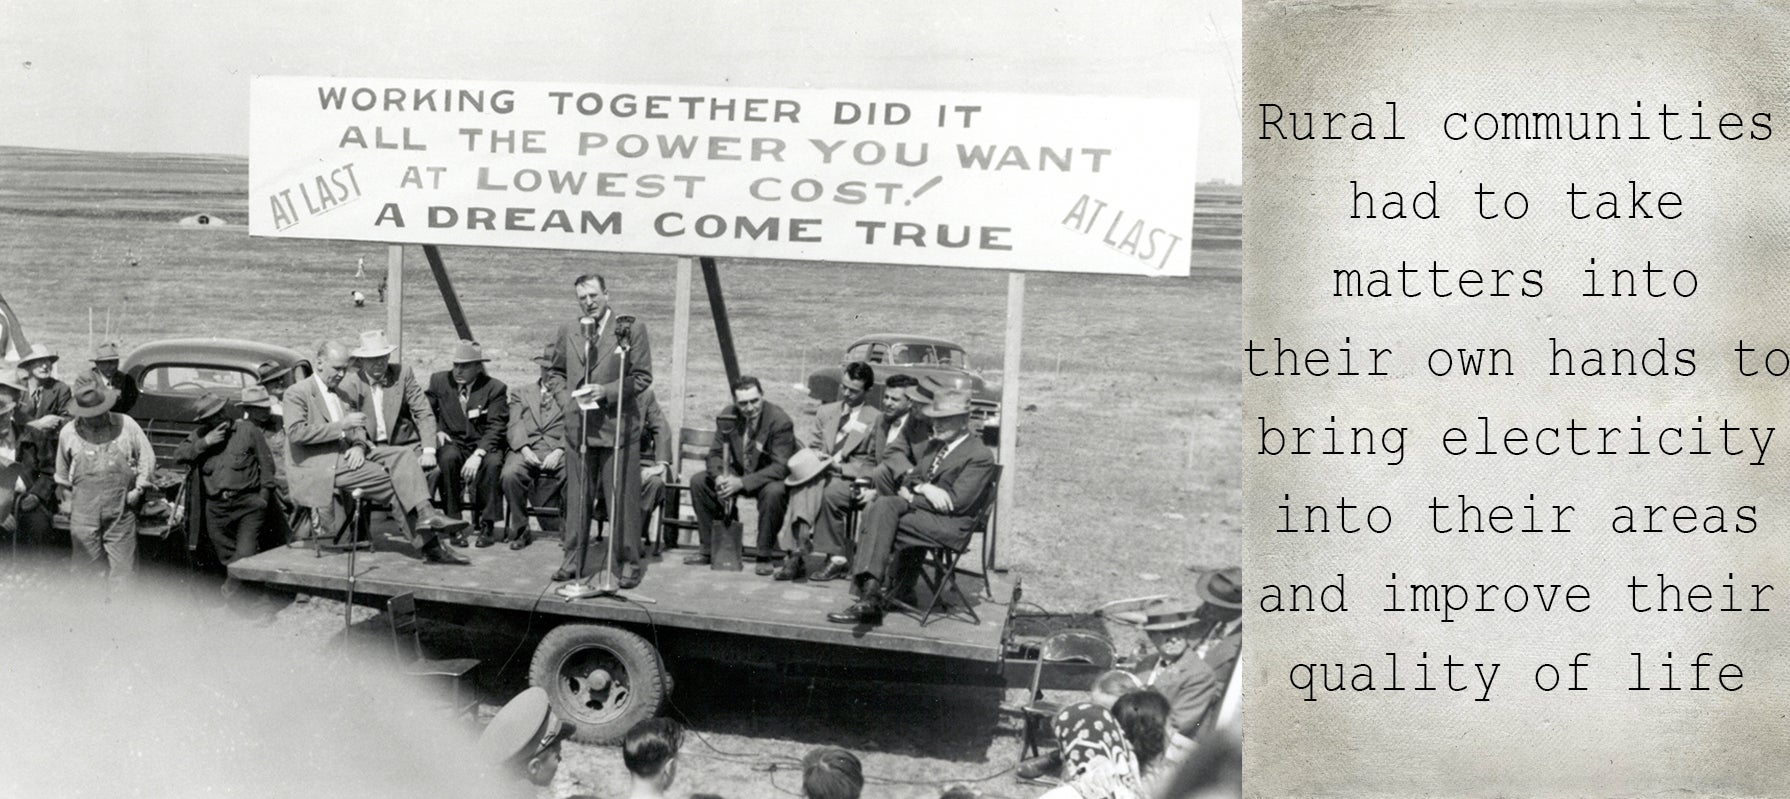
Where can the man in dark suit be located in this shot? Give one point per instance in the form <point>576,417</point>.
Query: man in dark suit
<point>472,410</point>
<point>105,369</point>
<point>588,358</point>
<point>535,465</point>
<point>752,461</point>
<point>899,433</point>
<point>846,434</point>
<point>43,408</point>
<point>936,506</point>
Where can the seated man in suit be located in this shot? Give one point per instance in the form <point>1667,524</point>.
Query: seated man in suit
<point>329,449</point>
<point>846,434</point>
<point>899,433</point>
<point>1196,649</point>
<point>655,460</point>
<point>936,506</point>
<point>398,413</point>
<point>752,461</point>
<point>537,449</point>
<point>473,412</point>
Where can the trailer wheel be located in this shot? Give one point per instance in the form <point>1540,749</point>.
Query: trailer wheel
<point>602,679</point>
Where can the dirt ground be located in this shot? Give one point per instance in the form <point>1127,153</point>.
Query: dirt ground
<point>1128,466</point>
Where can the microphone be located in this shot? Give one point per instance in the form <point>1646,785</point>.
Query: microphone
<point>589,326</point>
<point>624,330</point>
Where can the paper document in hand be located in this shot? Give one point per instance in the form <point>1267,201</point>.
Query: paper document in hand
<point>589,398</point>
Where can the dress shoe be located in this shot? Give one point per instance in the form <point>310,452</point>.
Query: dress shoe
<point>863,611</point>
<point>698,560</point>
<point>521,542</point>
<point>630,577</point>
<point>835,570</point>
<point>442,553</point>
<point>793,568</point>
<point>1033,768</point>
<point>764,568</point>
<point>343,546</point>
<point>564,575</point>
<point>436,521</point>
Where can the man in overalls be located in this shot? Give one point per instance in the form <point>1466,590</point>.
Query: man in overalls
<point>103,464</point>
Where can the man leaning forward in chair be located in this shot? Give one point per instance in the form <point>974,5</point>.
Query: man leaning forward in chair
<point>331,450</point>
<point>936,506</point>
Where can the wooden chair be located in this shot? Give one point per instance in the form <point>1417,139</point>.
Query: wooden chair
<point>693,444</point>
<point>407,644</point>
<point>1066,646</point>
<point>939,568</point>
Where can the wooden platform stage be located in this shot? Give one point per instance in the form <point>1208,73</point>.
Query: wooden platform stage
<point>688,597</point>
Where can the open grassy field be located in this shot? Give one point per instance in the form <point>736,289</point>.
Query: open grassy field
<point>1128,451</point>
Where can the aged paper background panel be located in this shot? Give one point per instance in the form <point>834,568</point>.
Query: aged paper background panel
<point>1434,59</point>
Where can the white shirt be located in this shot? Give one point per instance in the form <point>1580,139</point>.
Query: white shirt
<point>332,404</point>
<point>895,429</point>
<point>378,413</point>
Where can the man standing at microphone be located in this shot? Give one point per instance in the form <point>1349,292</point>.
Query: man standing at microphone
<point>589,357</point>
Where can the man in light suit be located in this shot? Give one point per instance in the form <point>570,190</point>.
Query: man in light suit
<point>398,412</point>
<point>846,435</point>
<point>588,359</point>
<point>936,506</point>
<point>537,452</point>
<point>473,411</point>
<point>330,449</point>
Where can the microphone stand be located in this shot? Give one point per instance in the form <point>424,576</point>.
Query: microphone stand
<point>603,582</point>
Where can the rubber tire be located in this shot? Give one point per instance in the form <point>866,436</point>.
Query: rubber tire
<point>648,682</point>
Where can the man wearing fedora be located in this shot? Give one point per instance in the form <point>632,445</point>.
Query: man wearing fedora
<point>40,416</point>
<point>330,449</point>
<point>105,369</point>
<point>752,460</point>
<point>1196,649</point>
<point>103,465</point>
<point>845,433</point>
<point>588,359</point>
<point>275,378</point>
<point>229,481</point>
<point>936,506</point>
<point>537,449</point>
<point>473,411</point>
<point>398,412</point>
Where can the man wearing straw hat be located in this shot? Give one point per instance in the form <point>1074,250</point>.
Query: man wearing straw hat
<point>936,506</point>
<point>398,412</point>
<point>105,369</point>
<point>1196,648</point>
<point>229,481</point>
<point>41,413</point>
<point>103,464</point>
<point>473,411</point>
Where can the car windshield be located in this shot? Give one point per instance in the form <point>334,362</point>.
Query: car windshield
<point>927,355</point>
<point>185,379</point>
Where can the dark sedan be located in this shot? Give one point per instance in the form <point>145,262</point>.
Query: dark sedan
<point>175,374</point>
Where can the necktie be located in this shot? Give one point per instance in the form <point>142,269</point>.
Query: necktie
<point>936,461</point>
<point>464,392</point>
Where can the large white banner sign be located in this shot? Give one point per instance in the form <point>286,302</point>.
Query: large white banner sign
<point>1006,181</point>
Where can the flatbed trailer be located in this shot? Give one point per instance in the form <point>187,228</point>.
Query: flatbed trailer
<point>607,662</point>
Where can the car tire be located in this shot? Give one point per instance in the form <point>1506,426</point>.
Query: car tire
<point>601,679</point>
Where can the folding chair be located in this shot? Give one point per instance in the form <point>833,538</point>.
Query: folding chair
<point>407,644</point>
<point>1066,646</point>
<point>693,444</point>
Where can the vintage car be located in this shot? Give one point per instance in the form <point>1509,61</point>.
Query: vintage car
<point>174,375</point>
<point>936,363</point>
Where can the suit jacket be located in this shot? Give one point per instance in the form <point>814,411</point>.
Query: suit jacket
<point>915,432</point>
<point>314,444</point>
<point>655,439</point>
<point>579,363</point>
<point>1191,684</point>
<point>408,418</point>
<point>127,390</point>
<point>964,474</point>
<point>763,457</point>
<point>37,449</point>
<point>533,426</point>
<point>483,423</point>
<point>855,455</point>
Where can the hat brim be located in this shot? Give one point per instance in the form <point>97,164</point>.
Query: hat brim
<point>1203,587</point>
<point>373,353</point>
<point>542,361</point>
<point>459,361</point>
<point>1165,626</point>
<point>934,413</point>
<point>272,376</point>
<point>26,362</point>
<point>792,481</point>
<point>111,395</point>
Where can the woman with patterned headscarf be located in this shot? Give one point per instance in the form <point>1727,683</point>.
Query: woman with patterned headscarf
<point>1097,760</point>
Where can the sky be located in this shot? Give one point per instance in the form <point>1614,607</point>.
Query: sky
<point>167,76</point>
